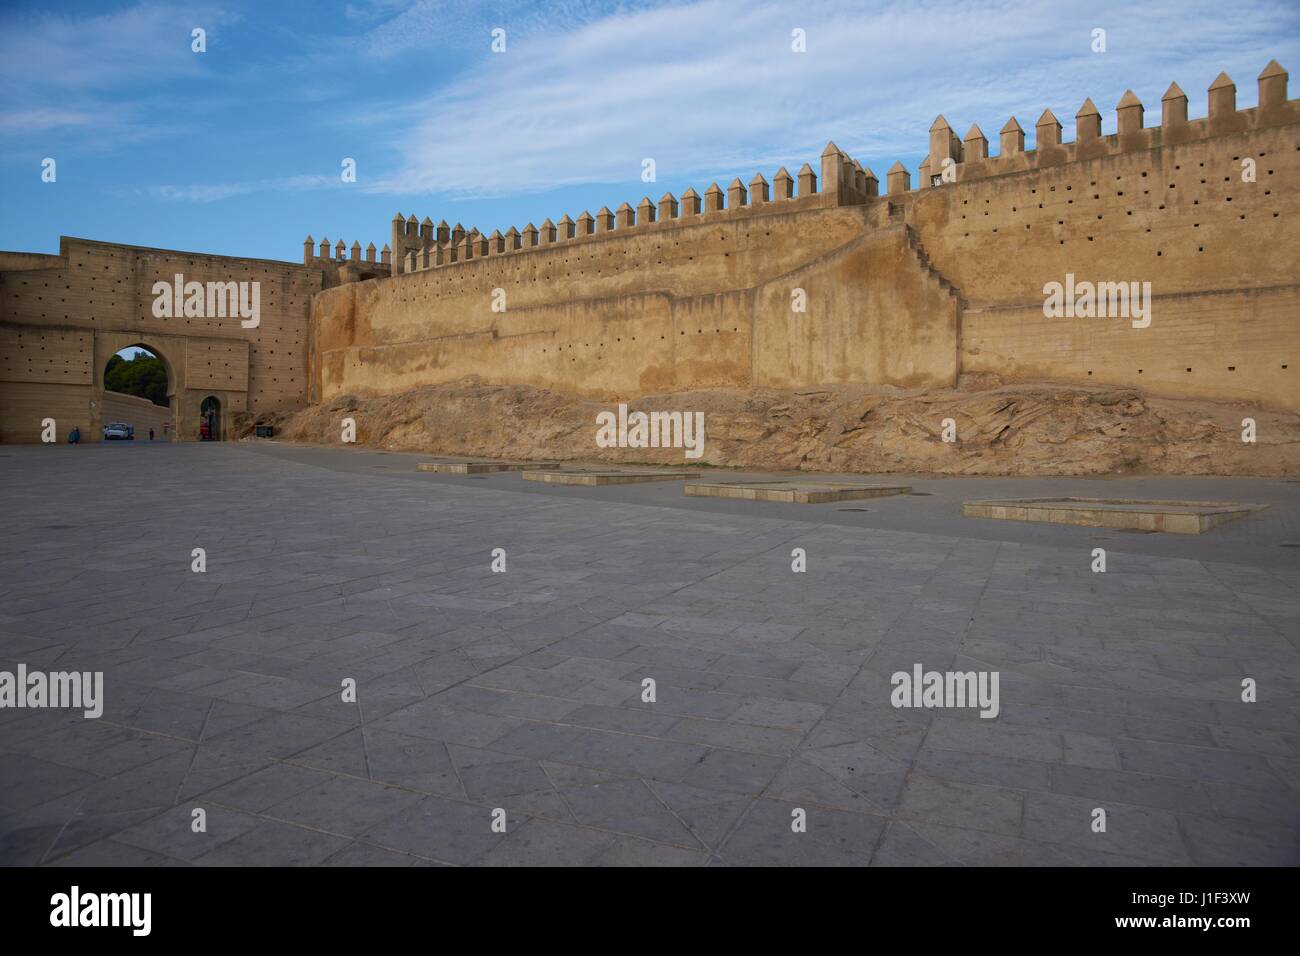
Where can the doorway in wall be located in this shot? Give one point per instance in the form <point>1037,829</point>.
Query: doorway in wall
<point>210,419</point>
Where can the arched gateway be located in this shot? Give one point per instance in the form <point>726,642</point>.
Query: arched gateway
<point>63,317</point>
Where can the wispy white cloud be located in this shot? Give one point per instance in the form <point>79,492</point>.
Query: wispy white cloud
<point>714,87</point>
<point>368,11</point>
<point>44,118</point>
<point>215,192</point>
<point>100,74</point>
<point>428,25</point>
<point>47,50</point>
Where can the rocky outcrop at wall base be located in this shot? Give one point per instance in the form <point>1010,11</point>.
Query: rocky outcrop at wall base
<point>1021,429</point>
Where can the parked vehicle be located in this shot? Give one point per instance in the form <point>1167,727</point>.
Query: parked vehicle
<point>119,431</point>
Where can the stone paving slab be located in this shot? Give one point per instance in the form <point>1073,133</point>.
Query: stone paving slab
<point>592,477</point>
<point>521,696</point>
<point>1174,517</point>
<point>478,466</point>
<point>792,492</point>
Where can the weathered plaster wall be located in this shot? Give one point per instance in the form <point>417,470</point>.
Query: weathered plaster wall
<point>1220,254</point>
<point>685,306</point>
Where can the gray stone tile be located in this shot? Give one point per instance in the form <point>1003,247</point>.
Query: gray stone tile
<point>630,807</point>
<point>962,805</point>
<point>172,833</point>
<point>736,736</point>
<point>1207,764</point>
<point>980,736</point>
<point>833,838</point>
<point>440,829</point>
<point>1105,787</point>
<point>30,781</point>
<point>1009,772</point>
<point>265,787</point>
<point>1226,842</point>
<point>736,771</point>
<point>544,842</point>
<point>903,846</point>
<point>110,853</point>
<point>627,851</point>
<point>1134,831</point>
<point>601,750</point>
<point>342,805</point>
<point>361,854</point>
<point>494,777</point>
<point>278,844</point>
<point>984,848</point>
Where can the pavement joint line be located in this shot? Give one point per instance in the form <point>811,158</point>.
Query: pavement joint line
<point>198,742</point>
<point>58,836</point>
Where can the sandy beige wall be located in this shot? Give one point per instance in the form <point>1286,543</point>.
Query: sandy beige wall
<point>681,307</point>
<point>25,405</point>
<point>875,316</point>
<point>1231,346</point>
<point>45,372</point>
<point>1220,254</point>
<point>671,307</point>
<point>140,412</point>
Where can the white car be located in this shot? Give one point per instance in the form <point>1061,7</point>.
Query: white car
<point>119,430</point>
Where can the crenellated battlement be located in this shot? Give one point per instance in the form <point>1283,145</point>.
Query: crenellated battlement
<point>970,159</point>
<point>422,246</point>
<point>416,241</point>
<point>344,264</point>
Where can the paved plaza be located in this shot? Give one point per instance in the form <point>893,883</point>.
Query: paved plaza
<point>480,692</point>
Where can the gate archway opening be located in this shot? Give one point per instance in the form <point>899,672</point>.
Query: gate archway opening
<point>138,396</point>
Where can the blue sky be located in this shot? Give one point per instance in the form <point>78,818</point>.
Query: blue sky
<point>238,150</point>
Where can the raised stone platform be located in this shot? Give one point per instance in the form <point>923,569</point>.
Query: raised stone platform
<point>793,492</point>
<point>1175,517</point>
<point>478,466</point>
<point>594,477</point>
